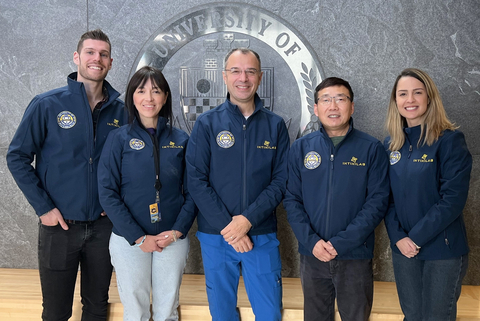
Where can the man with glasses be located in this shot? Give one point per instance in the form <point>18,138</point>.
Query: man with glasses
<point>237,170</point>
<point>337,193</point>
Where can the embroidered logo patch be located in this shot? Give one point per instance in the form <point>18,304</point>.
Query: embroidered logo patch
<point>395,157</point>
<point>225,139</point>
<point>312,160</point>
<point>137,144</point>
<point>116,123</point>
<point>172,145</point>
<point>353,162</point>
<point>424,159</point>
<point>66,119</point>
<point>266,145</point>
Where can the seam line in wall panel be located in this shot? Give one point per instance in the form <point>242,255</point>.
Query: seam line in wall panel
<point>87,16</point>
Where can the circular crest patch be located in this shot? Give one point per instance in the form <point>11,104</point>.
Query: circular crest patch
<point>66,119</point>
<point>137,144</point>
<point>225,139</point>
<point>395,157</point>
<point>312,160</point>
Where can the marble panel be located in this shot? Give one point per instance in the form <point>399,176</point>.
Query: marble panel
<point>471,216</point>
<point>36,50</point>
<point>18,223</point>
<point>367,42</point>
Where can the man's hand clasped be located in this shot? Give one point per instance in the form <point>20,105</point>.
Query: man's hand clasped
<point>235,233</point>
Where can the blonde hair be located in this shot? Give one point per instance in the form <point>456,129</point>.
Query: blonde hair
<point>433,122</point>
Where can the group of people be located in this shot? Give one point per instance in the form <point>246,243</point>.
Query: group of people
<point>116,183</point>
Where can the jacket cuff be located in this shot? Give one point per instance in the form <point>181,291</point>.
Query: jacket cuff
<point>313,242</point>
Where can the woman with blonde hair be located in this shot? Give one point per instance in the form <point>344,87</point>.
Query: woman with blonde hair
<point>429,173</point>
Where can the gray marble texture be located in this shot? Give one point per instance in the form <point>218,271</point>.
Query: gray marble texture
<point>367,42</point>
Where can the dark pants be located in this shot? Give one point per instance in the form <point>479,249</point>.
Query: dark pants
<point>429,290</point>
<point>59,254</point>
<point>349,281</point>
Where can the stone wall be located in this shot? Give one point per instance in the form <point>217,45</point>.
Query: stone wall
<point>366,42</point>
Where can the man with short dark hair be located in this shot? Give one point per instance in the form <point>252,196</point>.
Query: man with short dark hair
<point>64,130</point>
<point>236,169</point>
<point>337,193</point>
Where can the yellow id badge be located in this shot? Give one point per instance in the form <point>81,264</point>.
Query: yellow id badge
<point>154,213</point>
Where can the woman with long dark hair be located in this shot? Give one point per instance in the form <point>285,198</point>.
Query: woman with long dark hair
<point>142,190</point>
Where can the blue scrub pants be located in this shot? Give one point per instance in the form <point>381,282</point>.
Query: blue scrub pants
<point>261,270</point>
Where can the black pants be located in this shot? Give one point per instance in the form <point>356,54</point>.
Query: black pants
<point>349,281</point>
<point>60,253</point>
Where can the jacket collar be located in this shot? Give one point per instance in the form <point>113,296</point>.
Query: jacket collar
<point>412,130</point>
<point>350,128</point>
<point>234,108</point>
<point>413,133</point>
<point>161,125</point>
<point>78,87</point>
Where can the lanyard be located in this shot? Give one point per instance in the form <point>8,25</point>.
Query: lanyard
<point>156,160</point>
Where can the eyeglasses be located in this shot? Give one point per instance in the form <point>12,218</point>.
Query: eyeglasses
<point>250,72</point>
<point>339,99</point>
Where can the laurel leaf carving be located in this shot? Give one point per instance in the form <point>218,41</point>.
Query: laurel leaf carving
<point>308,86</point>
<point>305,69</point>
<point>309,81</point>
<point>310,102</point>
